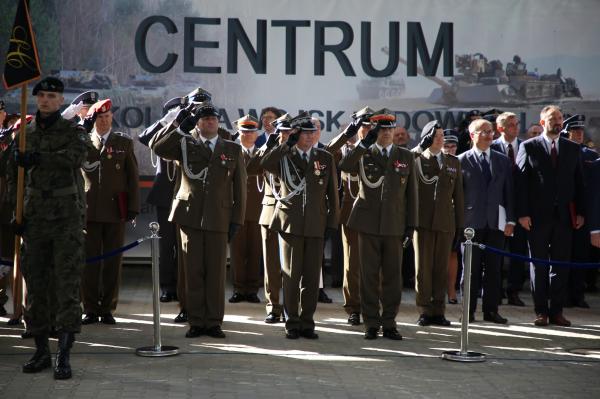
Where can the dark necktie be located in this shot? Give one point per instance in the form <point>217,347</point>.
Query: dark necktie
<point>208,145</point>
<point>384,153</point>
<point>554,154</point>
<point>485,167</point>
<point>101,143</point>
<point>511,154</point>
<point>305,158</point>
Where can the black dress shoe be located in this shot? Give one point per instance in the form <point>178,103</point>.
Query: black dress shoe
<point>272,318</point>
<point>26,335</point>
<point>309,333</point>
<point>424,320</point>
<point>89,318</point>
<point>354,319</point>
<point>215,332</point>
<point>371,333</point>
<point>237,297</point>
<point>323,298</point>
<point>166,297</point>
<point>108,319</point>
<point>194,332</point>
<point>252,298</point>
<point>514,300</point>
<point>440,320</point>
<point>392,333</point>
<point>182,317</point>
<point>292,334</point>
<point>494,317</point>
<point>582,304</point>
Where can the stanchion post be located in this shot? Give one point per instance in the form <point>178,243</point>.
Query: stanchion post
<point>463,355</point>
<point>158,350</point>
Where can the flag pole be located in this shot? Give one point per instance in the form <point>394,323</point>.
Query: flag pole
<point>18,284</point>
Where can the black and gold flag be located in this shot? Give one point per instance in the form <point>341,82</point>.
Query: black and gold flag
<point>22,63</point>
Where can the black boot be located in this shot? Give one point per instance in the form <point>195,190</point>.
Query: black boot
<point>41,358</point>
<point>62,370</point>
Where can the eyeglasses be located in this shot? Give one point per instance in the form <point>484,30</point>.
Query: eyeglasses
<point>486,133</point>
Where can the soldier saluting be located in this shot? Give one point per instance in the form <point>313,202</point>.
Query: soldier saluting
<point>112,192</point>
<point>384,214</point>
<point>307,206</point>
<point>208,208</point>
<point>52,250</point>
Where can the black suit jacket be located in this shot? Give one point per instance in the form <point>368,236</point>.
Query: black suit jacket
<point>593,221</point>
<point>544,192</point>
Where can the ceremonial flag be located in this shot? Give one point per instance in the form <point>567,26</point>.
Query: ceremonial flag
<point>22,62</point>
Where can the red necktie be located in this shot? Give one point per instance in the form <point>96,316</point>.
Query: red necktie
<point>554,154</point>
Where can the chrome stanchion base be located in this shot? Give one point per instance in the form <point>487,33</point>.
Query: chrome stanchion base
<point>458,356</point>
<point>153,351</point>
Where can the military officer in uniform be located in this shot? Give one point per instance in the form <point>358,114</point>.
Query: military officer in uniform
<point>270,241</point>
<point>245,248</point>
<point>52,231</point>
<point>441,218</point>
<point>79,107</point>
<point>307,206</point>
<point>112,192</point>
<point>385,215</point>
<point>208,209</point>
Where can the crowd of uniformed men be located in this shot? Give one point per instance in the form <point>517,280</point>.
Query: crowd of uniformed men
<point>276,196</point>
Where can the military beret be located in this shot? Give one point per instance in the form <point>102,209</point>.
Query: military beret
<point>172,103</point>
<point>450,136</point>
<point>283,122</point>
<point>576,121</point>
<point>87,98</point>
<point>49,84</point>
<point>430,128</point>
<point>2,107</point>
<point>247,123</point>
<point>206,109</point>
<point>199,95</point>
<point>303,121</point>
<point>100,107</point>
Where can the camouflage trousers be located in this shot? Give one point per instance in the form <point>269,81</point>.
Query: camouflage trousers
<point>52,259</point>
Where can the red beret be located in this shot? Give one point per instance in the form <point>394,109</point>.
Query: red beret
<point>100,107</point>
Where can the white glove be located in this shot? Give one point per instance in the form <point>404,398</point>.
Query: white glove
<point>170,116</point>
<point>72,110</point>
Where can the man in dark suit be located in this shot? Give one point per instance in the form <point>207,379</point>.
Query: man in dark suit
<point>508,144</point>
<point>489,209</point>
<point>574,130</point>
<point>594,212</point>
<point>550,204</point>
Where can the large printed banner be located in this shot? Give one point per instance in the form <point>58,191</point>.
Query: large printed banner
<point>430,59</point>
<point>427,59</point>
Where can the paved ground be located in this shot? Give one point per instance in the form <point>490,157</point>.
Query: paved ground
<point>255,360</point>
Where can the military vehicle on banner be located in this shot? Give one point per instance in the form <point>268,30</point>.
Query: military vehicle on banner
<point>369,89</point>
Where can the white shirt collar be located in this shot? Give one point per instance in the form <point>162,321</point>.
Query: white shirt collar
<point>388,148</point>
<point>301,153</point>
<point>213,141</point>
<point>478,152</point>
<point>248,150</point>
<point>514,143</point>
<point>104,137</point>
<point>548,142</point>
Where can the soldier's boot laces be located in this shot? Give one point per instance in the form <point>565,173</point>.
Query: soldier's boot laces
<point>62,370</point>
<point>41,358</point>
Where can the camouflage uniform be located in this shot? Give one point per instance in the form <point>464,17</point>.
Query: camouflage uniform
<point>7,242</point>
<point>53,242</point>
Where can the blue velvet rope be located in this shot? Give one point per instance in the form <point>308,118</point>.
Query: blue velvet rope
<point>547,262</point>
<point>98,258</point>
